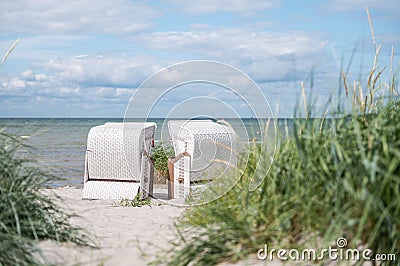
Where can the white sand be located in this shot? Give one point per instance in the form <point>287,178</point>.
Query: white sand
<point>120,232</point>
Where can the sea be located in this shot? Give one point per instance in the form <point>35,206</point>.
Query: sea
<point>59,144</point>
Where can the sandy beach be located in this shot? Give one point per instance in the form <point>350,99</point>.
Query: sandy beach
<point>125,235</point>
<point>121,233</point>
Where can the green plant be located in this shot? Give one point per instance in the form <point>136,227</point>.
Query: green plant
<point>160,155</point>
<point>26,214</point>
<point>336,177</point>
<point>136,202</point>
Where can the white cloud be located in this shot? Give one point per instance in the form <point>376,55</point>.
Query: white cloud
<point>267,55</point>
<point>113,71</point>
<point>75,16</point>
<point>123,92</point>
<point>39,93</point>
<point>92,80</point>
<point>88,80</point>
<point>245,7</point>
<point>70,91</point>
<point>14,83</point>
<point>28,74</point>
<point>236,42</point>
<point>390,7</point>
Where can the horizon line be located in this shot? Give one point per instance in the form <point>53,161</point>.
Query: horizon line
<point>149,118</point>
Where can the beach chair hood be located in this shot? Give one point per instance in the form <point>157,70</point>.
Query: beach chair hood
<point>117,160</point>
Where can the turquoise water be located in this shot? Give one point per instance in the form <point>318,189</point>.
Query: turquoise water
<point>59,144</point>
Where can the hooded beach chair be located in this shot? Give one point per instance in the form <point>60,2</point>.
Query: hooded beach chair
<point>203,151</point>
<point>117,162</point>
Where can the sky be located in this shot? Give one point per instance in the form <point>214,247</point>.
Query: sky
<point>82,58</point>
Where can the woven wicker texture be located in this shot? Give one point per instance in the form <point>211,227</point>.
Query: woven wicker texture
<point>211,146</point>
<point>115,152</point>
<point>110,190</point>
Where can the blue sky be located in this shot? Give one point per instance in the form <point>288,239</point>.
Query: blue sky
<point>81,58</point>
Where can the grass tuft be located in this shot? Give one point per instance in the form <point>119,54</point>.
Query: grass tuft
<point>26,214</point>
<point>136,202</point>
<point>160,155</point>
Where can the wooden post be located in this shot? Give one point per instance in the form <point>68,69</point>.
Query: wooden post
<point>171,178</point>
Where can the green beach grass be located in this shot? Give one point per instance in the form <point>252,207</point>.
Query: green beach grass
<point>160,155</point>
<point>334,178</point>
<point>28,216</point>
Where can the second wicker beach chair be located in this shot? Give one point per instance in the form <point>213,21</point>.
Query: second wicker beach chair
<point>203,151</point>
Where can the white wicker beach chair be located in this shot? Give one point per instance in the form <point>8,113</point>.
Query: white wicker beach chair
<point>203,151</point>
<point>117,163</point>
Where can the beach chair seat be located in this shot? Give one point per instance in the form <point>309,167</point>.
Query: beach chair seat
<point>203,151</point>
<point>117,161</point>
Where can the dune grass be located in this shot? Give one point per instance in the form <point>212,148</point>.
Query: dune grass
<point>334,179</point>
<point>26,214</point>
<point>337,177</point>
<point>160,155</point>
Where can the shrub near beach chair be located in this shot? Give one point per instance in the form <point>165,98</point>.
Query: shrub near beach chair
<point>203,151</point>
<point>117,163</point>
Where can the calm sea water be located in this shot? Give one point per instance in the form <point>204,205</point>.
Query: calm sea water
<point>59,144</point>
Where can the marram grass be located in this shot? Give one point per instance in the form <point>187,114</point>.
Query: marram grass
<point>26,214</point>
<point>338,180</point>
<point>337,177</point>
